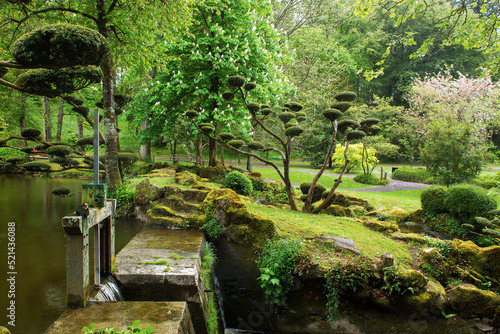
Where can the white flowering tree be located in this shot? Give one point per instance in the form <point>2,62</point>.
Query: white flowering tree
<point>453,118</point>
<point>227,37</point>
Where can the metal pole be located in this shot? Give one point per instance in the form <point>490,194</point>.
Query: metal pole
<point>97,241</point>
<point>96,146</point>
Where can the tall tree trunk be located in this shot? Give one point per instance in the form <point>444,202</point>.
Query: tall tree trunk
<point>249,161</point>
<point>113,178</point>
<point>22,117</point>
<point>60,113</point>
<point>212,152</point>
<point>145,149</point>
<point>79,129</point>
<point>222,155</point>
<point>199,148</point>
<point>47,126</point>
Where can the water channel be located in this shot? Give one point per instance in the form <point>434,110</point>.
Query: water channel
<point>40,256</point>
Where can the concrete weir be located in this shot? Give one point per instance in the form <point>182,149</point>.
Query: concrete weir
<point>161,264</point>
<point>165,317</point>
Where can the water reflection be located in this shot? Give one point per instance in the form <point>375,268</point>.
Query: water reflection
<point>40,249</point>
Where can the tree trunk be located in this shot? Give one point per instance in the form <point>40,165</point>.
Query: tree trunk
<point>199,148</point>
<point>60,114</point>
<point>222,155</point>
<point>249,162</point>
<point>47,126</point>
<point>79,129</point>
<point>212,152</point>
<point>113,178</point>
<point>288,184</point>
<point>22,117</point>
<point>145,149</point>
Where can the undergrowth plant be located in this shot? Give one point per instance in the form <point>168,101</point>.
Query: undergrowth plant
<point>134,328</point>
<point>276,264</point>
<point>212,310</point>
<point>348,276</point>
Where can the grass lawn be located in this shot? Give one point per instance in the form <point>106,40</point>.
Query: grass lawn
<point>301,177</point>
<point>299,225</point>
<point>404,199</point>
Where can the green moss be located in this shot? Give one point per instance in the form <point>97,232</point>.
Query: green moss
<point>381,226</point>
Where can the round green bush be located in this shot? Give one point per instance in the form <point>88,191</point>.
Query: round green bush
<point>86,141</point>
<point>468,201</point>
<point>61,44</point>
<point>318,191</point>
<point>236,143</point>
<point>226,136</point>
<point>294,131</point>
<point>342,106</point>
<point>59,150</point>
<point>345,96</point>
<point>228,96</point>
<point>255,145</point>
<point>192,114</point>
<point>127,158</point>
<point>332,114</point>
<point>236,81</point>
<point>355,135</point>
<point>258,183</point>
<point>31,133</point>
<point>15,160</point>
<point>347,123</point>
<point>249,86</point>
<point>65,162</point>
<point>35,166</point>
<point>61,191</point>
<point>409,174</point>
<point>238,182</point>
<point>285,117</point>
<point>266,111</point>
<point>253,107</point>
<point>370,179</point>
<point>433,199</point>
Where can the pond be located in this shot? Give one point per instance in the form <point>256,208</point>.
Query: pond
<point>40,255</point>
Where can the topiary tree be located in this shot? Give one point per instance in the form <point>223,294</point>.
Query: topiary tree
<point>290,114</point>
<point>62,58</point>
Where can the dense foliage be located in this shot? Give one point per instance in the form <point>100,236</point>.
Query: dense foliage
<point>238,182</point>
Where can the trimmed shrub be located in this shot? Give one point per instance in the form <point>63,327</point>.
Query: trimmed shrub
<point>61,191</point>
<point>433,199</point>
<point>409,174</point>
<point>238,182</point>
<point>36,166</point>
<point>59,150</point>
<point>468,201</point>
<point>318,191</point>
<point>485,183</point>
<point>127,158</point>
<point>370,179</point>
<point>258,183</point>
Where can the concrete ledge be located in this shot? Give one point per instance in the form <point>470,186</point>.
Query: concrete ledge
<point>161,264</point>
<point>165,317</point>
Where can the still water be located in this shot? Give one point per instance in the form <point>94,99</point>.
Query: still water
<point>40,255</point>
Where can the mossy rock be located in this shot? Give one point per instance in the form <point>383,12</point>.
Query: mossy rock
<point>381,226</point>
<point>431,299</point>
<point>380,213</point>
<point>469,301</point>
<point>339,211</point>
<point>146,192</point>
<point>187,195</point>
<point>211,173</point>
<point>398,215</point>
<point>351,200</point>
<point>189,179</point>
<point>410,237</point>
<point>225,206</point>
<point>161,211</point>
<point>485,260</point>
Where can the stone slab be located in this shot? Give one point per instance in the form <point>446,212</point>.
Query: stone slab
<point>161,264</point>
<point>165,317</point>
